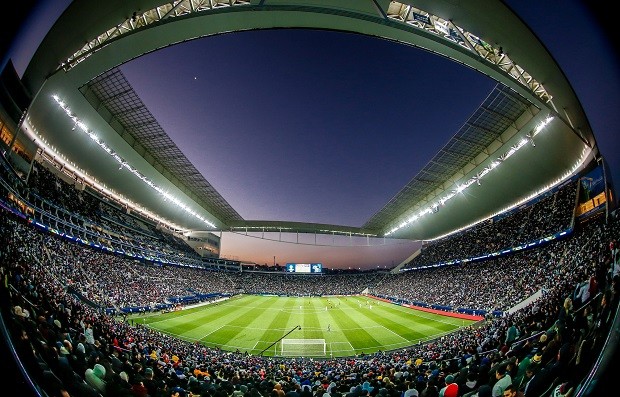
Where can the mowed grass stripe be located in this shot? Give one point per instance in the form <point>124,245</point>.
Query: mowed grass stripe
<point>386,332</point>
<point>186,324</point>
<point>402,326</point>
<point>242,320</point>
<point>300,315</point>
<point>199,324</point>
<point>211,323</point>
<point>423,322</point>
<point>328,318</point>
<point>248,339</point>
<point>393,308</point>
<point>369,319</point>
<point>265,329</point>
<point>276,328</point>
<point>358,337</point>
<point>193,313</point>
<point>387,320</point>
<point>380,338</point>
<point>337,338</point>
<point>428,323</point>
<point>316,321</point>
<point>231,321</point>
<point>250,323</point>
<point>282,323</point>
<point>173,319</point>
<point>313,327</point>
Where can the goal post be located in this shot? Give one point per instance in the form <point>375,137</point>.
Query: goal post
<point>303,347</point>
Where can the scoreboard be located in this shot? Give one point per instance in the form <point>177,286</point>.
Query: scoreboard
<point>307,268</point>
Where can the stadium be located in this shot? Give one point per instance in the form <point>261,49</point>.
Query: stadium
<point>114,282</point>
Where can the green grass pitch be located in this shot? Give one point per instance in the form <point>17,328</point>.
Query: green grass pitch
<point>349,325</point>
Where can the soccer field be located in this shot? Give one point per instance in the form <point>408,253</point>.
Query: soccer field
<point>321,326</point>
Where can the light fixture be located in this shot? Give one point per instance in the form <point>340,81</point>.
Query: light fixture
<point>123,163</point>
<point>494,164</point>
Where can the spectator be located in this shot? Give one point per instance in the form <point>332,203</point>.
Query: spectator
<point>512,391</point>
<point>451,389</point>
<point>502,381</point>
<point>95,378</point>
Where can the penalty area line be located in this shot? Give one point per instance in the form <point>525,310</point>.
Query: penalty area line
<point>400,336</point>
<point>215,330</point>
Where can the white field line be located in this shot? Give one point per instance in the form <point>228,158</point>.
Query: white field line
<point>305,328</point>
<point>215,330</point>
<point>408,311</point>
<point>172,318</point>
<point>351,349</point>
<point>401,337</point>
<point>254,347</point>
<point>220,345</point>
<point>390,346</point>
<point>419,313</point>
<point>405,343</point>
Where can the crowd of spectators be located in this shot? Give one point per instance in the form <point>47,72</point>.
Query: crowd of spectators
<point>304,285</point>
<point>71,348</point>
<point>522,274</point>
<point>117,282</point>
<point>77,212</point>
<point>550,214</point>
<point>113,281</point>
<point>44,183</point>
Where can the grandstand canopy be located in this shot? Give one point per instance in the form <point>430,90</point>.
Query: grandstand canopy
<point>529,133</point>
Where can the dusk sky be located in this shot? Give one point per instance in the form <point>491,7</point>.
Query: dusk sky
<point>326,127</point>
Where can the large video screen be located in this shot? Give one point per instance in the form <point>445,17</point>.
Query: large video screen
<point>313,268</point>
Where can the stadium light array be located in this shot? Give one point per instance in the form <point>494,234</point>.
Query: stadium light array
<point>545,189</point>
<point>461,187</point>
<point>69,166</point>
<point>81,126</point>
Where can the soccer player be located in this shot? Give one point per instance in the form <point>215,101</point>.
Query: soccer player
<point>329,328</point>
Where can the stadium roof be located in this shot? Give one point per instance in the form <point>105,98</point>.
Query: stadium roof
<point>85,109</point>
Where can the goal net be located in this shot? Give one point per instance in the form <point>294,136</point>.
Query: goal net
<point>303,347</point>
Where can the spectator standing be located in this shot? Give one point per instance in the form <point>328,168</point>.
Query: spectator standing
<point>89,334</point>
<point>614,249</point>
<point>511,334</point>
